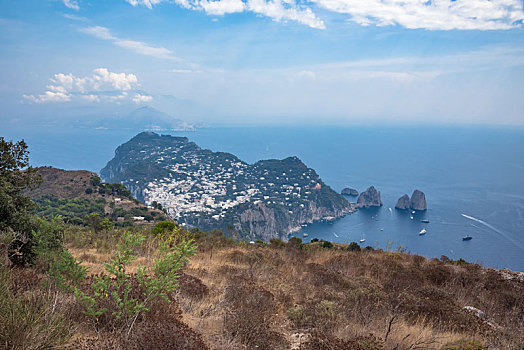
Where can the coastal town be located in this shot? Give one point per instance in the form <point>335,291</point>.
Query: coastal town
<point>214,185</point>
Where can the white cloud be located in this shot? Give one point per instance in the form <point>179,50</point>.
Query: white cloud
<point>432,14</point>
<point>148,3</point>
<point>99,86</point>
<point>278,10</point>
<point>133,45</point>
<point>99,32</point>
<point>221,7</point>
<point>49,96</point>
<point>138,98</point>
<point>412,14</point>
<point>144,49</point>
<point>72,4</point>
<point>286,10</point>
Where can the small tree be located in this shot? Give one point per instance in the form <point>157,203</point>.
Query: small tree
<point>16,209</point>
<point>94,221</point>
<point>113,295</point>
<point>163,227</point>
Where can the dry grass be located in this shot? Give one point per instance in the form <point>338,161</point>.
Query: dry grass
<point>241,296</point>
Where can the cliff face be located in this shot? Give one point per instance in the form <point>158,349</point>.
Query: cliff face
<point>270,198</point>
<point>369,198</point>
<point>403,202</point>
<point>418,201</point>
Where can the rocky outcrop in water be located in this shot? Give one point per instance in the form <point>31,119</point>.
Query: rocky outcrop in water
<point>369,198</point>
<point>349,192</point>
<point>418,201</point>
<point>403,202</point>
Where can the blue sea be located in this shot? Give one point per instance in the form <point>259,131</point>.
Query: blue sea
<point>473,178</point>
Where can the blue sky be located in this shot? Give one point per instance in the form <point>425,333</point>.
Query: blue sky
<point>264,61</point>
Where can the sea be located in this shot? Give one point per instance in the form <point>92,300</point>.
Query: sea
<point>473,178</point>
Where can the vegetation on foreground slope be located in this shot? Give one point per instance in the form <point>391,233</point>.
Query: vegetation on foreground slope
<point>235,295</point>
<point>76,287</point>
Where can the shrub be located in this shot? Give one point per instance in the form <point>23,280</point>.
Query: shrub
<point>118,296</point>
<point>29,320</point>
<point>354,247</point>
<point>163,227</point>
<point>298,317</point>
<point>327,244</point>
<point>276,243</point>
<point>294,242</point>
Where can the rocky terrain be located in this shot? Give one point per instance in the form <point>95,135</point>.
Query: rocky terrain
<point>349,192</point>
<point>369,198</point>
<point>205,189</point>
<point>403,202</point>
<point>418,201</point>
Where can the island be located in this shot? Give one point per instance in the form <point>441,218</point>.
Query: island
<point>369,198</point>
<point>206,189</point>
<point>349,192</point>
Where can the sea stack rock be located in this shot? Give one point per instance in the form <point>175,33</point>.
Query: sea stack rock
<point>369,198</point>
<point>418,201</point>
<point>403,202</point>
<point>349,192</point>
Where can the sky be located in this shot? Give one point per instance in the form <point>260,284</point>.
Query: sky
<point>250,62</point>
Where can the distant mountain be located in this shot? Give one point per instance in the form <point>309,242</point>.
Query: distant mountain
<point>270,198</point>
<point>146,118</point>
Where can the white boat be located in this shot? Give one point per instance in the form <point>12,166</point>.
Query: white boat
<point>412,212</point>
<point>362,240</point>
<point>422,232</point>
<point>305,235</point>
<point>382,229</point>
<point>411,217</point>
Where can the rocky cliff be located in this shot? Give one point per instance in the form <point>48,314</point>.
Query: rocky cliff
<point>349,192</point>
<point>403,202</point>
<point>369,198</point>
<point>418,201</point>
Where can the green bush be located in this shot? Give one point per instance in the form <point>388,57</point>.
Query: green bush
<point>354,247</point>
<point>299,317</point>
<point>117,297</point>
<point>327,244</point>
<point>163,227</point>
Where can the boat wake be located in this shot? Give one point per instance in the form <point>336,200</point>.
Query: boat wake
<point>517,243</point>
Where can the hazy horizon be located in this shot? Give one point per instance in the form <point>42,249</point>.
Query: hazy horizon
<point>263,62</point>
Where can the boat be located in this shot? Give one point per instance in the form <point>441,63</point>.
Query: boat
<point>362,240</point>
<point>382,229</point>
<point>426,221</point>
<point>412,212</point>
<point>305,235</point>
<point>422,232</point>
<point>411,217</point>
<point>467,238</point>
